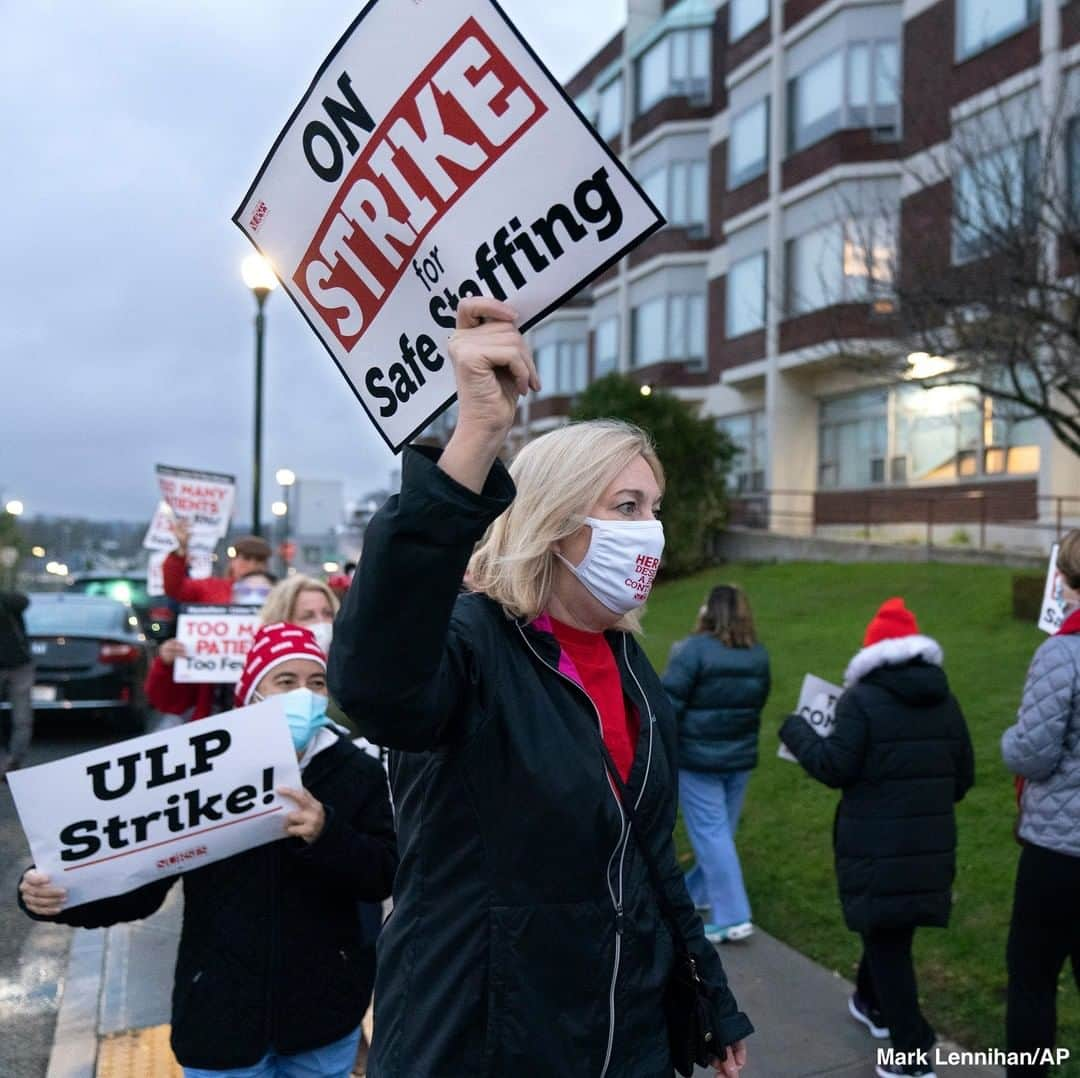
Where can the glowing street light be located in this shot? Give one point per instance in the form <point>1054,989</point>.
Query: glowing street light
<point>259,277</point>
<point>279,509</point>
<point>285,477</point>
<point>38,551</point>
<point>14,507</point>
<point>646,390</point>
<point>330,566</point>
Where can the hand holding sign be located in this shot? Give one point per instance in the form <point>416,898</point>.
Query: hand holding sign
<point>493,367</point>
<point>309,819</point>
<point>817,704</point>
<point>39,894</point>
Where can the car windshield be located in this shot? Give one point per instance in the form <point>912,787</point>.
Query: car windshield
<point>124,589</point>
<point>78,619</point>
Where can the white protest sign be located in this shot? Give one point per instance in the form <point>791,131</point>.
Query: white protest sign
<point>817,704</point>
<point>107,821</point>
<point>433,157</point>
<point>1052,614</point>
<point>155,572</point>
<point>160,534</point>
<point>217,639</point>
<point>203,500</point>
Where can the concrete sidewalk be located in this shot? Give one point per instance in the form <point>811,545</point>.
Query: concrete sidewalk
<point>115,1008</point>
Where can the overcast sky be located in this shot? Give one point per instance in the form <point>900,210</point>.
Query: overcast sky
<point>130,132</point>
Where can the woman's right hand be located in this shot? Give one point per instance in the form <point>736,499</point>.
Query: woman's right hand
<point>182,531</point>
<point>493,367</point>
<point>170,651</point>
<point>39,896</point>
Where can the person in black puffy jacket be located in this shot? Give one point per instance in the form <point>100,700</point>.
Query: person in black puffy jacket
<point>272,970</point>
<point>718,681</point>
<point>901,755</point>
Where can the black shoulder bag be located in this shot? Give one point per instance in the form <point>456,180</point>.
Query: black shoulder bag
<point>687,998</point>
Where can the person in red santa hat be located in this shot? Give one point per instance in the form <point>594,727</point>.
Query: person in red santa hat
<point>901,754</point>
<point>272,974</point>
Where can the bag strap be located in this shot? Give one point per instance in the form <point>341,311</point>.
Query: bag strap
<point>667,911</point>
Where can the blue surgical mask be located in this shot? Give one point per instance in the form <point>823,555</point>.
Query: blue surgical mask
<point>306,712</point>
<point>249,594</point>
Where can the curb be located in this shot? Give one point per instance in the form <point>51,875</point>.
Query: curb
<point>75,1040</point>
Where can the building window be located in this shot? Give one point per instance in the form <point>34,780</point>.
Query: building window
<point>992,199</point>
<point>748,144</point>
<point>854,86</point>
<point>680,191</point>
<point>1072,162</point>
<point>853,434</point>
<point>606,346</point>
<point>746,292</point>
<point>749,436</point>
<point>982,23</point>
<point>938,435</point>
<point>563,368</point>
<point>744,16</point>
<point>609,111</point>
<point>669,328</point>
<point>843,262</point>
<point>675,66</point>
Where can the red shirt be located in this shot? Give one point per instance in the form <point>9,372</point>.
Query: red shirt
<point>599,676</point>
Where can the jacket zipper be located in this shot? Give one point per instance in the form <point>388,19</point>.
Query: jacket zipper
<point>624,834</point>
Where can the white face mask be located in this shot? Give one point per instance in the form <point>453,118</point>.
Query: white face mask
<point>323,631</point>
<point>619,567</point>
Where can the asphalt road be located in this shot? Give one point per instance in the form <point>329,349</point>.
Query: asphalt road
<point>33,956</point>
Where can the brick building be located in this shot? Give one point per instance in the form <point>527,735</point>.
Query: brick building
<point>781,138</point>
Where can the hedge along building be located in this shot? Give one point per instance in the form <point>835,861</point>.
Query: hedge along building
<point>792,145</point>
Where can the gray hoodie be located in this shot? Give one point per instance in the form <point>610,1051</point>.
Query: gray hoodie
<point>1044,747</point>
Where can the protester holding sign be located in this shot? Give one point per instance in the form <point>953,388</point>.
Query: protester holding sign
<point>16,679</point>
<point>527,936</point>
<point>901,754</point>
<point>271,971</point>
<point>718,681</point>
<point>1043,747</point>
<point>252,555</point>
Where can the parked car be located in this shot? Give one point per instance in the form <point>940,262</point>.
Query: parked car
<point>156,613</point>
<point>90,656</point>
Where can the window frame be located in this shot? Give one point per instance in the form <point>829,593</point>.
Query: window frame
<point>883,118</point>
<point>598,357</point>
<point>688,301</point>
<point>696,88</point>
<point>729,304</point>
<point>1032,12</point>
<point>749,172</point>
<point>615,83</point>
<point>732,36</point>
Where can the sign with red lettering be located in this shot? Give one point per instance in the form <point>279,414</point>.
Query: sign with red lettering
<point>216,641</point>
<point>107,821</point>
<point>434,157</point>
<point>204,500</point>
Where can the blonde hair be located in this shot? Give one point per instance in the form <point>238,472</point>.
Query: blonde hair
<point>726,615</point>
<point>1068,559</point>
<point>558,477</point>
<point>281,601</point>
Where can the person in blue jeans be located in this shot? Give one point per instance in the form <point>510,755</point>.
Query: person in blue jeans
<point>718,680</point>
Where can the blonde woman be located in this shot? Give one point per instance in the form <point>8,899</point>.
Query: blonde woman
<point>718,681</point>
<point>536,747</point>
<point>303,600</point>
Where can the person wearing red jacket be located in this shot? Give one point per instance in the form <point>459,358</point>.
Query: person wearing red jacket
<point>252,556</point>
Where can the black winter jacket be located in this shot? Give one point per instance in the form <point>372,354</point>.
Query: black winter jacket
<point>14,646</point>
<point>901,753</point>
<point>525,939</point>
<point>271,954</point>
<point>718,693</point>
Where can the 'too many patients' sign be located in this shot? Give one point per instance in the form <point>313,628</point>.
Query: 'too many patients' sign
<point>433,158</point>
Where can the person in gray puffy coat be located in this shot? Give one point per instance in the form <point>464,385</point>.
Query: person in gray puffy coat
<point>1043,748</point>
<point>718,681</point>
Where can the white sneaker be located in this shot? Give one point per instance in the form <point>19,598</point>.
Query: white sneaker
<point>729,933</point>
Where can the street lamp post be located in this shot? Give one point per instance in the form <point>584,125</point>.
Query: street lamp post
<point>259,277</point>
<point>286,477</point>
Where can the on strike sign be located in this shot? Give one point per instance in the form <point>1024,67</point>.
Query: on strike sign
<point>107,821</point>
<point>217,639</point>
<point>433,157</point>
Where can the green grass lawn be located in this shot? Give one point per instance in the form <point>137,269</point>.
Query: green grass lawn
<point>811,618</point>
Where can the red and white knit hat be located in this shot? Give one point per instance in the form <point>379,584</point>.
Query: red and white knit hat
<point>274,645</point>
<point>893,619</point>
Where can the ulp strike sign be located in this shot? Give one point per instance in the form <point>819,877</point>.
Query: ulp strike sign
<point>433,158</point>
